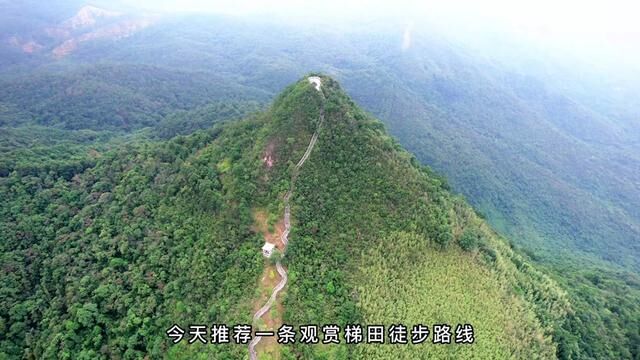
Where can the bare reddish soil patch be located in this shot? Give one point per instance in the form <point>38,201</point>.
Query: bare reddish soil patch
<point>272,320</point>
<point>261,225</point>
<point>268,157</point>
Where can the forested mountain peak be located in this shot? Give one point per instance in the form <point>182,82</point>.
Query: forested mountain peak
<point>158,233</point>
<point>365,215</point>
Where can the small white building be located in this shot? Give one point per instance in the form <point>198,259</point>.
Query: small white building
<point>316,81</point>
<point>267,249</point>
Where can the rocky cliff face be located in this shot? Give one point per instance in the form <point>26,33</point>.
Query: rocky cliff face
<point>90,23</point>
<point>114,31</point>
<point>89,16</point>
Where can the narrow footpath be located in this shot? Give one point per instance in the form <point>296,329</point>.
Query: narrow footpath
<point>317,83</point>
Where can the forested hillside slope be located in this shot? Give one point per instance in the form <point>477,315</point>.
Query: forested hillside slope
<point>100,264</point>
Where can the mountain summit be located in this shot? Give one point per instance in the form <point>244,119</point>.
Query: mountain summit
<point>378,239</point>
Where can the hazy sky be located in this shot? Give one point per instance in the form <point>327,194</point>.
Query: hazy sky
<point>561,16</point>
<point>592,28</point>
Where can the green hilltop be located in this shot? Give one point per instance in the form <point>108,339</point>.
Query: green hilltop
<point>149,234</point>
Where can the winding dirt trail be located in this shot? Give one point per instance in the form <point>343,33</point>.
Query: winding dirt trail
<point>317,83</point>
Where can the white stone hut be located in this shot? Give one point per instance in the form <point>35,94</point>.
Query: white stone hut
<point>267,249</point>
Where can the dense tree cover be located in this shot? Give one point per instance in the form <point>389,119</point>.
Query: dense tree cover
<point>446,287</point>
<point>113,97</point>
<point>605,323</point>
<point>188,121</point>
<point>101,264</point>
<point>36,151</point>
